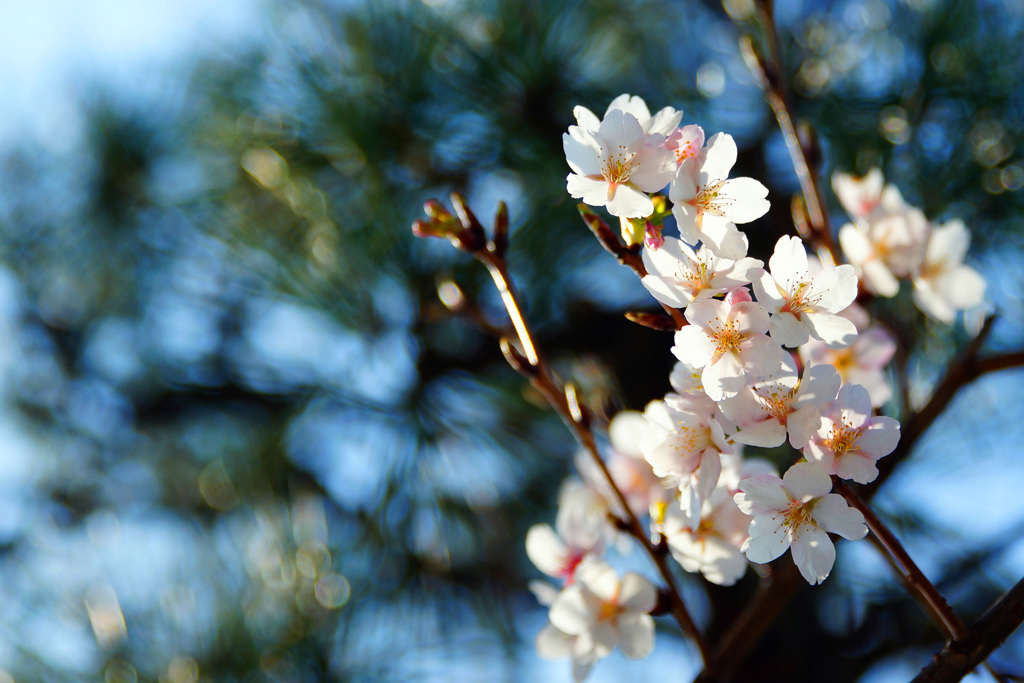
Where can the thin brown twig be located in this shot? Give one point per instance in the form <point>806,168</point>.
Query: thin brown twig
<point>928,594</point>
<point>564,402</point>
<point>957,659</point>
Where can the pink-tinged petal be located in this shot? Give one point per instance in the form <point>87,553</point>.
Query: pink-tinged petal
<point>655,169</point>
<point>586,119</point>
<point>948,243</point>
<point>723,237</point>
<point>748,199</point>
<point>875,348</point>
<point>769,538</point>
<point>553,644</point>
<point>686,220</point>
<point>807,480</point>
<point>963,287</point>
<point>720,157</point>
<point>570,613</point>
<point>767,434</point>
<point>636,594</point>
<point>619,128</point>
<point>693,345</point>
<point>815,450</point>
<point>789,261</point>
<point>684,186</point>
<point>819,385</point>
<point>582,151</point>
<point>743,271</point>
<point>544,592</point>
<point>599,578</point>
<point>854,404</point>
<point>627,430</point>
<point>761,493</point>
<point>632,104</point>
<point>814,555</point>
<point>636,635</point>
<point>664,122</point>
<point>767,291</point>
<point>855,466</point>
<point>545,549</point>
<point>880,438</point>
<point>802,424</point>
<point>707,314</point>
<point>834,331</point>
<point>833,514</point>
<point>763,356</point>
<point>788,330</point>
<point>750,317</point>
<point>932,303</point>
<point>723,377</point>
<point>744,409</point>
<point>628,202</point>
<point>592,192</point>
<point>879,279</point>
<point>834,288</point>
<point>708,473</point>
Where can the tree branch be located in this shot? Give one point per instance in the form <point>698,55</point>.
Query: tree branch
<point>957,659</point>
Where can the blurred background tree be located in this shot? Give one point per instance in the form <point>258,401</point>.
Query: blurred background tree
<point>244,439</point>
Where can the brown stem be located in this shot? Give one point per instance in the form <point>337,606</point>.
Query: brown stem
<point>928,595</point>
<point>768,75</point>
<point>563,400</point>
<point>957,659</point>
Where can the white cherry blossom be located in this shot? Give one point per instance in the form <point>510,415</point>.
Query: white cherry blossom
<point>604,612</point>
<point>849,440</point>
<point>707,204</point>
<point>689,457</point>
<point>556,555</point>
<point>678,275</point>
<point>712,546</point>
<point>616,165</point>
<point>885,246</point>
<point>687,143</point>
<point>798,511</point>
<point>782,402</point>
<point>802,304</point>
<point>665,122</point>
<point>943,285</point>
<point>862,363</point>
<point>729,343</point>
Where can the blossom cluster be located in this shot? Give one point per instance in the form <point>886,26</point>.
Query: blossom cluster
<point>769,356</point>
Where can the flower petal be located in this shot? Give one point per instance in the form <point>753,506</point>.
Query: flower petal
<point>814,554</point>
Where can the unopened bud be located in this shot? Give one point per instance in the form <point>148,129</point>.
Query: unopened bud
<point>737,295</point>
<point>652,236</point>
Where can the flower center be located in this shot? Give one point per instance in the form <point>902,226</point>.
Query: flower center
<point>728,338</point>
<point>610,610</point>
<point>799,301</point>
<point>617,166</point>
<point>798,515</point>
<point>842,438</point>
<point>775,400</point>
<point>711,200</point>
<point>695,276</point>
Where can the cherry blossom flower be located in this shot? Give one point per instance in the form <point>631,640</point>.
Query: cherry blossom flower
<point>707,204</point>
<point>559,554</point>
<point>803,305</point>
<point>942,284</point>
<point>729,343</point>
<point>887,245</point>
<point>798,512</point>
<point>782,402</point>
<point>849,440</point>
<point>604,612</point>
<point>678,275</point>
<point>664,122</point>
<point>690,395</point>
<point>861,196</point>
<point>687,143</point>
<point>711,547</point>
<point>617,165</point>
<point>862,363</point>
<point>552,643</point>
<point>689,458</point>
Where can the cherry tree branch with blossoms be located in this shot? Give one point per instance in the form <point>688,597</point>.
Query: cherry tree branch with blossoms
<point>767,356</point>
